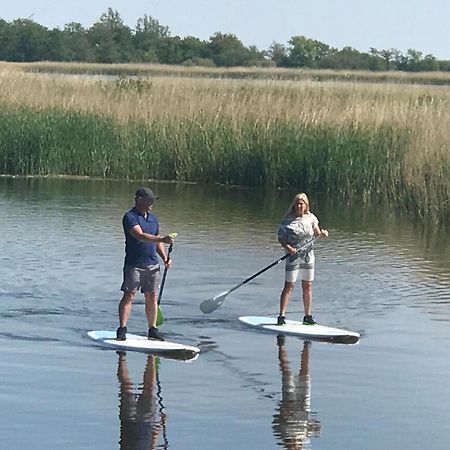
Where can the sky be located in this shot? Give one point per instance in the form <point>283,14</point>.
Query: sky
<point>401,24</point>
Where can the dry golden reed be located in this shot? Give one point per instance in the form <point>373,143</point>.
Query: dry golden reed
<point>384,141</point>
<point>275,73</point>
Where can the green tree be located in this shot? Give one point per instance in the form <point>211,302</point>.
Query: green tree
<point>56,46</point>
<point>5,40</point>
<point>398,61</point>
<point>430,63</point>
<point>148,37</point>
<point>351,59</point>
<point>305,52</point>
<point>102,41</point>
<point>257,58</point>
<point>416,62</point>
<point>28,41</point>
<point>169,51</point>
<point>194,48</point>
<point>444,65</point>
<point>227,50</point>
<point>111,39</point>
<point>278,54</point>
<point>77,45</point>
<point>391,57</point>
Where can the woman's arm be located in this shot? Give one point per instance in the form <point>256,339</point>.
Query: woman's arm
<point>320,232</point>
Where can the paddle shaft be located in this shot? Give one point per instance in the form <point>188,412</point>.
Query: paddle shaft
<point>161,408</point>
<point>212,304</point>
<point>164,274</point>
<point>270,266</point>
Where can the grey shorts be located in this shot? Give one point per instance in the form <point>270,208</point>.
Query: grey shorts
<point>291,274</point>
<point>145,278</point>
<point>298,266</point>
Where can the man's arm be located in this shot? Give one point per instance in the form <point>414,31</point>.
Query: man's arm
<point>139,235</point>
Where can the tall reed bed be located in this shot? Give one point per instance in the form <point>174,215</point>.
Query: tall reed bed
<point>272,73</point>
<point>386,143</point>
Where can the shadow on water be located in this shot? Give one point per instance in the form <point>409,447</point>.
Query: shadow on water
<point>247,379</point>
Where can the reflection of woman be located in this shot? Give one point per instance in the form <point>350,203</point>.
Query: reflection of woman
<point>141,414</point>
<point>297,228</point>
<point>292,422</point>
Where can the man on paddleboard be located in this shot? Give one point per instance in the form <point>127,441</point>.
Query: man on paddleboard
<point>298,227</point>
<point>141,268</point>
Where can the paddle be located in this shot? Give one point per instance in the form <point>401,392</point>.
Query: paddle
<point>210,305</point>
<point>160,316</point>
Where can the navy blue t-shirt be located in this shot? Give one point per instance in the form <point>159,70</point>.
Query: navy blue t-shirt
<point>140,253</point>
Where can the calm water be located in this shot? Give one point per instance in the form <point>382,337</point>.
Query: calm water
<point>61,260</point>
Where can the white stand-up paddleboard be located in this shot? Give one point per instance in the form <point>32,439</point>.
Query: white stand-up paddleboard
<point>292,327</point>
<point>140,344</point>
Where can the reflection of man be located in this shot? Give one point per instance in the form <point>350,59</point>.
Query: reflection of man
<point>141,414</point>
<point>292,422</point>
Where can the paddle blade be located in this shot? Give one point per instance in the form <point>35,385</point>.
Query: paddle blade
<point>159,317</point>
<point>210,305</point>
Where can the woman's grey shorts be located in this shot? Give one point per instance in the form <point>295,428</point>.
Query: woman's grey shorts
<point>145,278</point>
<point>296,266</point>
<point>291,274</point>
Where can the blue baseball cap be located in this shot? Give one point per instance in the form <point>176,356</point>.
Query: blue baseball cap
<point>145,192</point>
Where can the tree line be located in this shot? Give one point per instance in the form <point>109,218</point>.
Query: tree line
<point>110,40</point>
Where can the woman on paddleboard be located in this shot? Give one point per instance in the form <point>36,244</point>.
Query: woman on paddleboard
<point>297,228</point>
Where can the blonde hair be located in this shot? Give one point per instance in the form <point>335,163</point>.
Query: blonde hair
<point>301,196</point>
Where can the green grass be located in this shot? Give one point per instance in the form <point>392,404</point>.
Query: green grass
<point>349,163</point>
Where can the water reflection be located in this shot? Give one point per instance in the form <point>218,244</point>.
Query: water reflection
<point>375,265</point>
<point>141,409</point>
<point>293,421</point>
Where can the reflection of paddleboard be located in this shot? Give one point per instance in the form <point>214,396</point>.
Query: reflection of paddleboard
<point>139,343</point>
<point>298,329</point>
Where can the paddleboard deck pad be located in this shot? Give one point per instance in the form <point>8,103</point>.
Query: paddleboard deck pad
<point>294,328</point>
<point>137,343</point>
